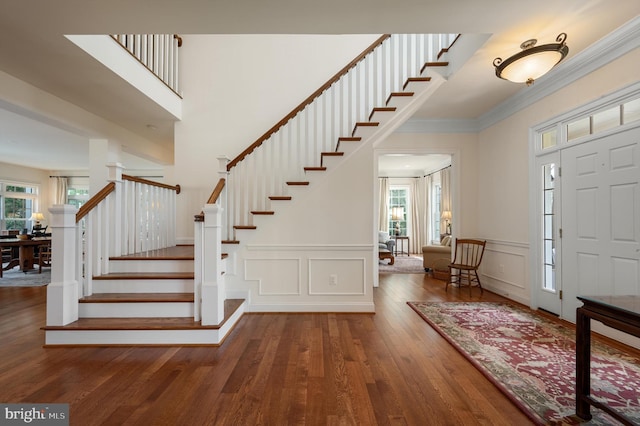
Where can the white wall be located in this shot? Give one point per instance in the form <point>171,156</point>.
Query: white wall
<point>236,87</point>
<point>503,175</point>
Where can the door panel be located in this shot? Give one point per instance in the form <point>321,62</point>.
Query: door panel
<point>601,218</point>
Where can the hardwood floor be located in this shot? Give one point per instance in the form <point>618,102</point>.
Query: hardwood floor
<point>274,369</point>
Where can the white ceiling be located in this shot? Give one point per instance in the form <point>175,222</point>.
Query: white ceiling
<point>33,49</point>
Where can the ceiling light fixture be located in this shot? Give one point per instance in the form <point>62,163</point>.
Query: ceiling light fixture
<point>533,62</point>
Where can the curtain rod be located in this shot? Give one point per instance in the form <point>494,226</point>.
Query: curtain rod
<point>433,173</point>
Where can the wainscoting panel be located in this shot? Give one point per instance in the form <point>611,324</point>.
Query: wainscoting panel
<point>338,276</point>
<point>505,269</point>
<point>276,277</point>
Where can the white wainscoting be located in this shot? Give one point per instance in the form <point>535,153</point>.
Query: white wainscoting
<point>303,277</point>
<point>505,270</point>
<point>276,277</point>
<point>337,276</point>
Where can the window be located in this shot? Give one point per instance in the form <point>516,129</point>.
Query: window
<point>77,196</point>
<point>17,203</point>
<point>398,207</point>
<point>549,138</point>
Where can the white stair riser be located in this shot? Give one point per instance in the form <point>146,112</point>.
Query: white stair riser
<point>144,337</point>
<point>151,266</point>
<point>400,101</point>
<point>143,286</point>
<point>134,337</point>
<point>136,310</point>
<point>365,131</point>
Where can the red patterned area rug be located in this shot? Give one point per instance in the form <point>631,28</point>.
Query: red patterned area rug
<point>532,360</point>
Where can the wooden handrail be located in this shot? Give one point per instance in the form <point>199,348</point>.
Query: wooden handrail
<point>306,102</point>
<point>213,198</point>
<point>152,183</point>
<point>95,200</point>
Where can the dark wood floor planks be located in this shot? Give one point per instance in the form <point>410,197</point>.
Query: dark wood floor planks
<point>274,369</point>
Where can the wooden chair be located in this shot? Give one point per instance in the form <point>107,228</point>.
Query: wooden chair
<point>44,256</point>
<point>464,268</point>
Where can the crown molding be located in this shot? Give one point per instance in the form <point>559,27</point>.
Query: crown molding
<point>609,48</point>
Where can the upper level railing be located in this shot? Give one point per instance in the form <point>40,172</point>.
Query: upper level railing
<point>158,52</point>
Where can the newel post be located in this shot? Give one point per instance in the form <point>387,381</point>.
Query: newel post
<point>62,292</point>
<point>213,286</point>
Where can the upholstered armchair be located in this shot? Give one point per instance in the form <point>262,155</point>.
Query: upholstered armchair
<point>385,242</point>
<point>431,253</point>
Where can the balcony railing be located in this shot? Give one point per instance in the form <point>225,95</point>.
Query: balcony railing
<point>157,52</point>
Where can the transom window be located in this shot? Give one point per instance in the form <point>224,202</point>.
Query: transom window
<point>606,118</point>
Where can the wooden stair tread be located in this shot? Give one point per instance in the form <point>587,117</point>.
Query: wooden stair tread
<point>244,227</point>
<point>434,64</point>
<point>230,306</point>
<point>137,297</point>
<point>256,212</point>
<point>298,183</point>
<point>349,139</point>
<point>280,198</point>
<point>181,252</point>
<point>399,94</point>
<point>145,276</point>
<point>381,109</point>
<point>415,80</point>
<point>230,242</point>
<point>364,124</point>
<point>315,169</point>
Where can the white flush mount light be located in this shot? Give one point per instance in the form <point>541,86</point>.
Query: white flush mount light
<point>533,61</point>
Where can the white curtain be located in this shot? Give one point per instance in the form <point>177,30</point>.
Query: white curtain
<point>428,183</point>
<point>60,191</point>
<point>384,205</point>
<point>445,182</point>
<point>419,214</point>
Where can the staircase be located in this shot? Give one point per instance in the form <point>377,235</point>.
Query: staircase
<point>193,295</point>
<point>146,299</point>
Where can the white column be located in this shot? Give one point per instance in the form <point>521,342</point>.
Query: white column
<point>62,293</point>
<point>101,153</point>
<point>213,288</point>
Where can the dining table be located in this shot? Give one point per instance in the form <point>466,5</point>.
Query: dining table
<point>26,251</point>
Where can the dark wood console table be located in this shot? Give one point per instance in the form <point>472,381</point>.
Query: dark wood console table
<point>619,312</point>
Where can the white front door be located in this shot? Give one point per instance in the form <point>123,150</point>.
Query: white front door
<point>600,219</point>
